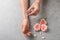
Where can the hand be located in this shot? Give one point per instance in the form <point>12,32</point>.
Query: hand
<point>34,9</point>
<point>25,28</point>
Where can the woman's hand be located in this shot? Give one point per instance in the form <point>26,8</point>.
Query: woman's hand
<point>34,9</point>
<point>25,28</point>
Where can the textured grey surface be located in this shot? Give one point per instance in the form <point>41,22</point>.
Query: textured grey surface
<point>11,19</point>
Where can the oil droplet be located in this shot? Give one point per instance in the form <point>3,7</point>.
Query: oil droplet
<point>40,32</point>
<point>35,35</point>
<point>43,37</point>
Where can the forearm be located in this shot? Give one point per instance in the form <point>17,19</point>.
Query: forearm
<point>38,1</point>
<point>24,6</point>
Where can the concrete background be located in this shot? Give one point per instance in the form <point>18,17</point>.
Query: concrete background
<point>11,19</point>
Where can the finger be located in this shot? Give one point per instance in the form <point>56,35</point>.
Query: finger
<point>33,12</point>
<point>25,34</point>
<point>29,10</point>
<point>28,34</point>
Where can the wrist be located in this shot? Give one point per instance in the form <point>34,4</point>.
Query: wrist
<point>37,1</point>
<point>25,16</point>
<point>25,19</point>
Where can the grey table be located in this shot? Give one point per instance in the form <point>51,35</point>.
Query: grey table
<point>11,19</point>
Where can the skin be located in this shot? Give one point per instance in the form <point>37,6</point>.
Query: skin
<point>34,8</point>
<point>28,11</point>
